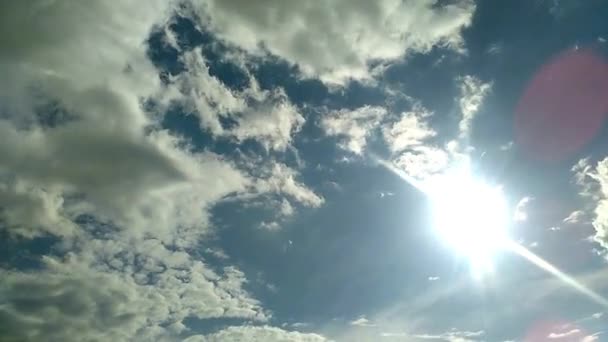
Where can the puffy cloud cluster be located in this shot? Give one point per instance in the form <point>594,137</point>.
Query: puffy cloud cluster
<point>353,127</point>
<point>112,292</point>
<point>337,41</point>
<point>408,140</point>
<point>409,136</point>
<point>262,115</point>
<point>83,158</point>
<point>411,130</point>
<point>73,134</point>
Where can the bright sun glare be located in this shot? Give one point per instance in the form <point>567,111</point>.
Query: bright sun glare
<point>470,215</point>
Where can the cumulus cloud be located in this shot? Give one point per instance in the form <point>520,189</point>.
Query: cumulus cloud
<point>256,334</point>
<point>422,161</point>
<point>411,138</point>
<point>407,137</point>
<point>85,160</point>
<point>262,115</point>
<point>95,151</point>
<point>410,141</point>
<point>410,131</point>
<point>337,41</point>
<point>353,127</point>
<point>111,290</point>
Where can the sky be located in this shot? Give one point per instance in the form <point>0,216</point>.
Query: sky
<point>231,170</point>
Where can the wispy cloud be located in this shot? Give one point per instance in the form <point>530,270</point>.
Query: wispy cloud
<point>362,322</point>
<point>353,127</point>
<point>473,92</point>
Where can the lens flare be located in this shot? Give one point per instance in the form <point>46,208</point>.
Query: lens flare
<point>480,237</point>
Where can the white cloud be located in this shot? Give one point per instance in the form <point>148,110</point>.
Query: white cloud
<point>336,41</point>
<point>75,139</point>
<point>112,290</point>
<point>256,334</point>
<point>144,182</point>
<point>353,127</point>
<point>272,226</point>
<point>576,216</point>
<point>207,96</point>
<point>582,171</point>
<point>472,93</point>
<point>286,208</point>
<point>281,179</point>
<point>272,124</point>
<point>362,322</point>
<point>454,336</point>
<point>262,115</point>
<point>521,213</point>
<point>412,151</point>
<point>422,161</point>
<point>594,184</point>
<point>217,252</point>
<point>591,338</point>
<point>564,334</point>
<point>101,156</point>
<point>410,131</point>
<point>29,210</point>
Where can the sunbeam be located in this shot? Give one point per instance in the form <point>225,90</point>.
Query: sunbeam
<point>546,266</point>
<point>489,240</point>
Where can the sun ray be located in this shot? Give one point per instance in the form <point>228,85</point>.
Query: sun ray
<point>479,258</point>
<point>548,267</point>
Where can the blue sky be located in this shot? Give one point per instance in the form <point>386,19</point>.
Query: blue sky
<point>205,170</point>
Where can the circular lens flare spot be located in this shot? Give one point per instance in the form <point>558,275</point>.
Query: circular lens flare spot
<point>563,107</point>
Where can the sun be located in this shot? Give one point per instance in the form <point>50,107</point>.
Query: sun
<point>470,215</point>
